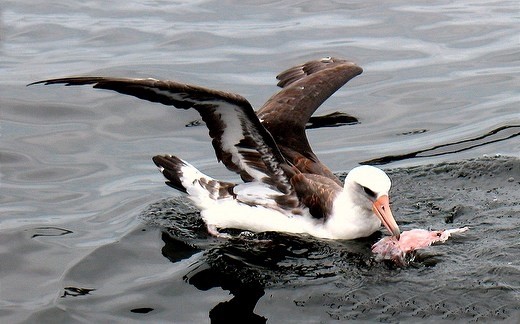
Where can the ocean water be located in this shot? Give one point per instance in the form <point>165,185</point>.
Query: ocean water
<point>90,233</point>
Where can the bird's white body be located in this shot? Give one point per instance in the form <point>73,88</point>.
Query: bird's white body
<point>254,208</point>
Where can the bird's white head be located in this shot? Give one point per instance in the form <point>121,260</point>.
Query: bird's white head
<point>369,187</point>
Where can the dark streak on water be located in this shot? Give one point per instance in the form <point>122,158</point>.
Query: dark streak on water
<point>497,135</point>
<point>472,277</point>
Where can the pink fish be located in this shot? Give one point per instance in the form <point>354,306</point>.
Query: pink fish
<point>391,248</point>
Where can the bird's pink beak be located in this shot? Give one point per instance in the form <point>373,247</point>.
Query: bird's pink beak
<point>381,208</point>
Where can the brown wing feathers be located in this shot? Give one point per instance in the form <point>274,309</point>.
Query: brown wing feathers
<point>305,88</point>
<point>316,192</point>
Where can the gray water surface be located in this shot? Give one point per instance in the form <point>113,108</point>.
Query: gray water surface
<point>439,87</point>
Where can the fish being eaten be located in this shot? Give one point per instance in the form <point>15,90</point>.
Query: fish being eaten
<point>399,250</point>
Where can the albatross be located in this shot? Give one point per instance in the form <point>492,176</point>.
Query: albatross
<point>285,187</point>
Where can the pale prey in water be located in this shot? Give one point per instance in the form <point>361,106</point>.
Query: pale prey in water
<point>285,187</point>
<point>397,250</point>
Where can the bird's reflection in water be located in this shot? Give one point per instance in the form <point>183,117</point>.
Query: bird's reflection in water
<point>245,291</point>
<point>240,308</point>
<point>248,264</point>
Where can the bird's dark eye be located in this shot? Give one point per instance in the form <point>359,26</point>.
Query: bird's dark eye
<point>369,192</point>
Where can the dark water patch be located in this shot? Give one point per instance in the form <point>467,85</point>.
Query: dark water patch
<point>44,32</point>
<point>471,277</point>
<point>49,231</point>
<point>51,174</point>
<point>14,158</point>
<point>142,310</point>
<point>414,132</point>
<point>48,111</point>
<point>55,173</point>
<point>76,291</point>
<point>119,36</point>
<point>334,119</point>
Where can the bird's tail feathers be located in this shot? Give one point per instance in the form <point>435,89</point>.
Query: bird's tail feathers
<point>186,178</point>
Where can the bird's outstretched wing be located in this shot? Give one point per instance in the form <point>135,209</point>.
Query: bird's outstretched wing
<point>305,88</point>
<point>240,141</point>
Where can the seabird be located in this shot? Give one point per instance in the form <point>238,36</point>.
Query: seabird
<point>285,186</point>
